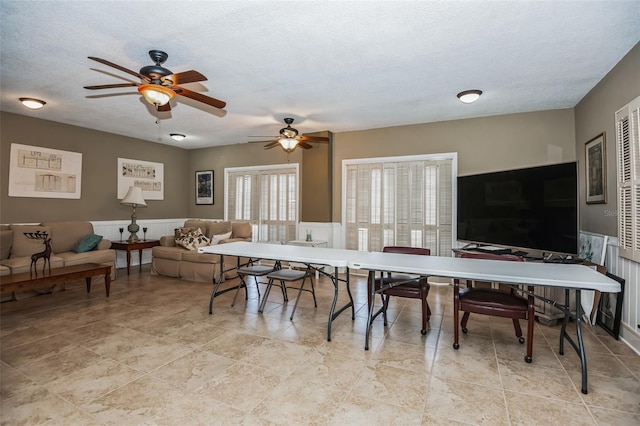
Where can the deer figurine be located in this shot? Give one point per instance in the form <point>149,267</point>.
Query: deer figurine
<point>45,254</point>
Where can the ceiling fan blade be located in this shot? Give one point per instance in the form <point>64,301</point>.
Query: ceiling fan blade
<point>269,141</point>
<point>271,145</point>
<point>199,97</point>
<point>270,136</point>
<point>164,108</point>
<point>314,138</point>
<point>118,67</point>
<point>190,76</point>
<point>304,145</point>
<point>111,86</point>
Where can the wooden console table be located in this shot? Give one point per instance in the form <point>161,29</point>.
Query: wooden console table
<point>134,245</point>
<point>33,281</point>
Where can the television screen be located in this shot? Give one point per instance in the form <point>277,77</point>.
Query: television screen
<point>534,208</point>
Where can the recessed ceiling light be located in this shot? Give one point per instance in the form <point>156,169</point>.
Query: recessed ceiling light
<point>32,103</point>
<point>177,136</point>
<point>469,96</point>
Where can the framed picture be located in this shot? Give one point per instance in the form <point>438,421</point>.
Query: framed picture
<point>147,175</point>
<point>596,170</point>
<point>592,247</point>
<point>44,173</point>
<point>610,309</point>
<point>204,187</point>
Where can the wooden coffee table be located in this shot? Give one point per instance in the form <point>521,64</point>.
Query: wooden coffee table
<point>32,281</point>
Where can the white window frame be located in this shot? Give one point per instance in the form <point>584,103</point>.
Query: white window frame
<point>258,228</point>
<point>453,156</point>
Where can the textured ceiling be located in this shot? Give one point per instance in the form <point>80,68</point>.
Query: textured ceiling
<point>335,66</point>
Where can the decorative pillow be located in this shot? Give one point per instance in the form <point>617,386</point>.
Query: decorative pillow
<point>215,239</point>
<point>192,240</point>
<point>86,243</point>
<point>182,231</point>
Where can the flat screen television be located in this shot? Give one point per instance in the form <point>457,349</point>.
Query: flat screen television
<point>533,209</point>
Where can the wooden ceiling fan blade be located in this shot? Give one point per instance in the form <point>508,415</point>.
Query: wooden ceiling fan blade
<point>314,138</point>
<point>199,97</point>
<point>190,76</point>
<point>121,68</point>
<point>164,108</point>
<point>304,145</point>
<point>271,145</point>
<point>269,141</point>
<point>111,86</point>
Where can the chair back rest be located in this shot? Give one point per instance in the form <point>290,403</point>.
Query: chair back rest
<point>491,256</point>
<point>407,250</point>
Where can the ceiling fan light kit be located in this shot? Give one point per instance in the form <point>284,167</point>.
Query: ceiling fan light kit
<point>288,144</point>
<point>156,94</point>
<point>469,96</point>
<point>32,103</point>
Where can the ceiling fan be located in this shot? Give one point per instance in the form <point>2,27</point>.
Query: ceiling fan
<point>158,85</point>
<point>289,138</point>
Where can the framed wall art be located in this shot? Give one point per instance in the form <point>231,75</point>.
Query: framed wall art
<point>204,187</point>
<point>44,173</point>
<point>596,170</point>
<point>145,174</point>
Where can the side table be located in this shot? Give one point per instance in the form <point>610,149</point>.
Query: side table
<point>134,245</point>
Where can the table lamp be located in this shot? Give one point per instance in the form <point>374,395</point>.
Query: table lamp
<point>134,199</point>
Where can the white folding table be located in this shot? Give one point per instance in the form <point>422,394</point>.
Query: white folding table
<point>310,256</point>
<point>566,276</point>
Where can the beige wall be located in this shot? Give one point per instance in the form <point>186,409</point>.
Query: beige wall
<point>100,152</point>
<point>594,114</point>
<point>483,144</point>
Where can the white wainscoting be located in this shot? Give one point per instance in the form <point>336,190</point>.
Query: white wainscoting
<point>630,271</point>
<point>156,228</point>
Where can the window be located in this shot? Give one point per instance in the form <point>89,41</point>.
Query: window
<point>265,196</point>
<point>628,156</point>
<point>405,201</point>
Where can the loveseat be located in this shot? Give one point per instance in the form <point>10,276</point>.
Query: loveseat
<point>174,260</point>
<point>72,243</point>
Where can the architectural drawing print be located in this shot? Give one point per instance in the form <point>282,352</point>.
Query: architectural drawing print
<point>144,174</point>
<point>44,173</point>
<point>55,182</point>
<point>134,170</point>
<point>39,160</point>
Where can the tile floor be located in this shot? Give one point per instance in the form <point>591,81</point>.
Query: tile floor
<point>152,355</point>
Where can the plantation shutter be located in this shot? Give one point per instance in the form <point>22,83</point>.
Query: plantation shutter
<point>395,202</point>
<point>268,198</point>
<point>628,159</point>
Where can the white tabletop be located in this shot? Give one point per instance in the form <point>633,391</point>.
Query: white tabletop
<point>338,258</point>
<point>533,273</point>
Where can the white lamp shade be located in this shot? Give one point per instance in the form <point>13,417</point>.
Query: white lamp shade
<point>134,197</point>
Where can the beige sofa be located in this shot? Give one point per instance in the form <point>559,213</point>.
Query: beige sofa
<point>16,249</point>
<point>171,260</point>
